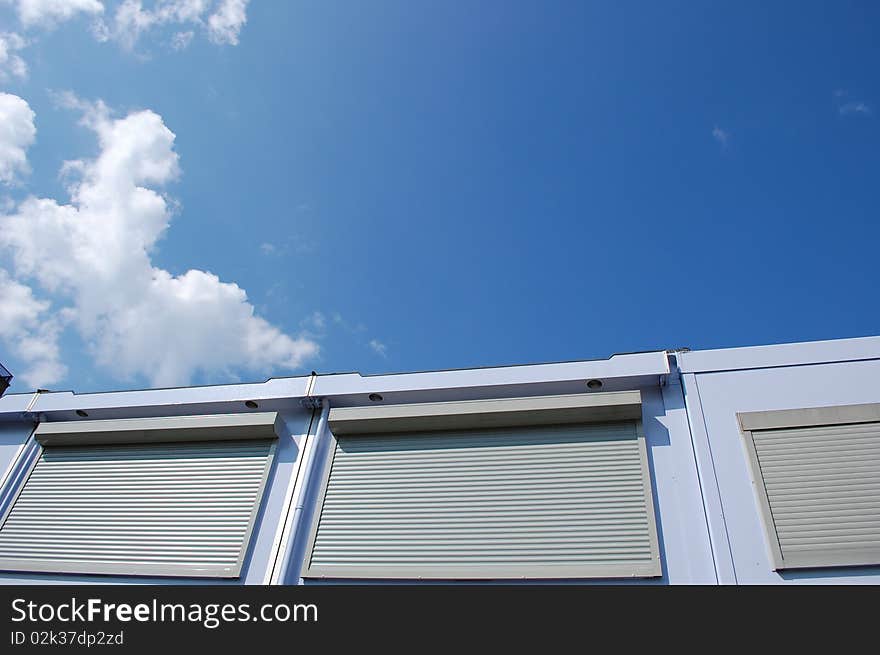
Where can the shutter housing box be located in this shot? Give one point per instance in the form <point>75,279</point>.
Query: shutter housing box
<point>174,496</point>
<point>215,427</point>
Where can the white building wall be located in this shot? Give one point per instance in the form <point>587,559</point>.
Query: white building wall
<point>759,379</point>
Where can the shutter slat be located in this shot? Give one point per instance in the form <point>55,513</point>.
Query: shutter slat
<point>488,503</point>
<point>152,509</point>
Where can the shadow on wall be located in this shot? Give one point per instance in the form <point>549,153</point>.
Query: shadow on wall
<point>656,436</point>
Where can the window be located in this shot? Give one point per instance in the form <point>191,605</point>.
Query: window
<point>168,496</point>
<point>816,474</point>
<point>553,487</point>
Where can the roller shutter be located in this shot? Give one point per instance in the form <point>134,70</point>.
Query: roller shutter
<point>562,501</point>
<point>182,508</point>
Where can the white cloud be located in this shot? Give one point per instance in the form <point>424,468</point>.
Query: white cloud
<point>855,108</point>
<point>131,19</point>
<point>11,64</point>
<point>847,107</point>
<point>225,24</point>
<point>95,252</point>
<point>126,21</point>
<point>17,133</point>
<point>378,347</point>
<point>314,324</point>
<point>48,13</point>
<point>721,136</point>
<point>267,248</point>
<point>30,332</point>
<point>181,40</point>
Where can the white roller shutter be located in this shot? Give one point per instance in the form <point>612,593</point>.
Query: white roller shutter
<point>163,508</point>
<point>819,490</point>
<point>563,501</point>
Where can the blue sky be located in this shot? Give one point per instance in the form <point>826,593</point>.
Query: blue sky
<point>417,185</point>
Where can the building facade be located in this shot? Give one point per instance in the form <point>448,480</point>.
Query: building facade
<point>739,466</point>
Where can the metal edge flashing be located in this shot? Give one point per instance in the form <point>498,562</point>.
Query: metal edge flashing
<point>277,394</point>
<point>625,369</point>
<point>13,406</point>
<point>780,355</point>
<point>217,427</point>
<point>475,414</point>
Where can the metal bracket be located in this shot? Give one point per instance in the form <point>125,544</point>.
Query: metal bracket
<point>310,402</point>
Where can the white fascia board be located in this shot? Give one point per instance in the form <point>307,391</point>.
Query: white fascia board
<point>617,373</point>
<point>272,395</point>
<point>14,404</point>
<point>786,354</point>
<point>620,372</point>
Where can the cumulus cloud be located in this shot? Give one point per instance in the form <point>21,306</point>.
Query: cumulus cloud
<point>94,253</point>
<point>181,40</point>
<point>225,24</point>
<point>131,19</point>
<point>48,13</point>
<point>17,133</point>
<point>26,327</point>
<point>126,21</point>
<point>31,332</point>
<point>11,64</point>
<point>221,21</point>
<point>721,136</point>
<point>378,347</point>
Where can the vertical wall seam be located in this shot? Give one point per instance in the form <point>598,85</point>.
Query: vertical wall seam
<point>717,486</point>
<point>277,549</point>
<point>690,428</point>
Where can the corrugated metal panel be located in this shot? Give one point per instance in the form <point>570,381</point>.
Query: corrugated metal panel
<point>151,509</point>
<point>822,488</point>
<point>563,501</point>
